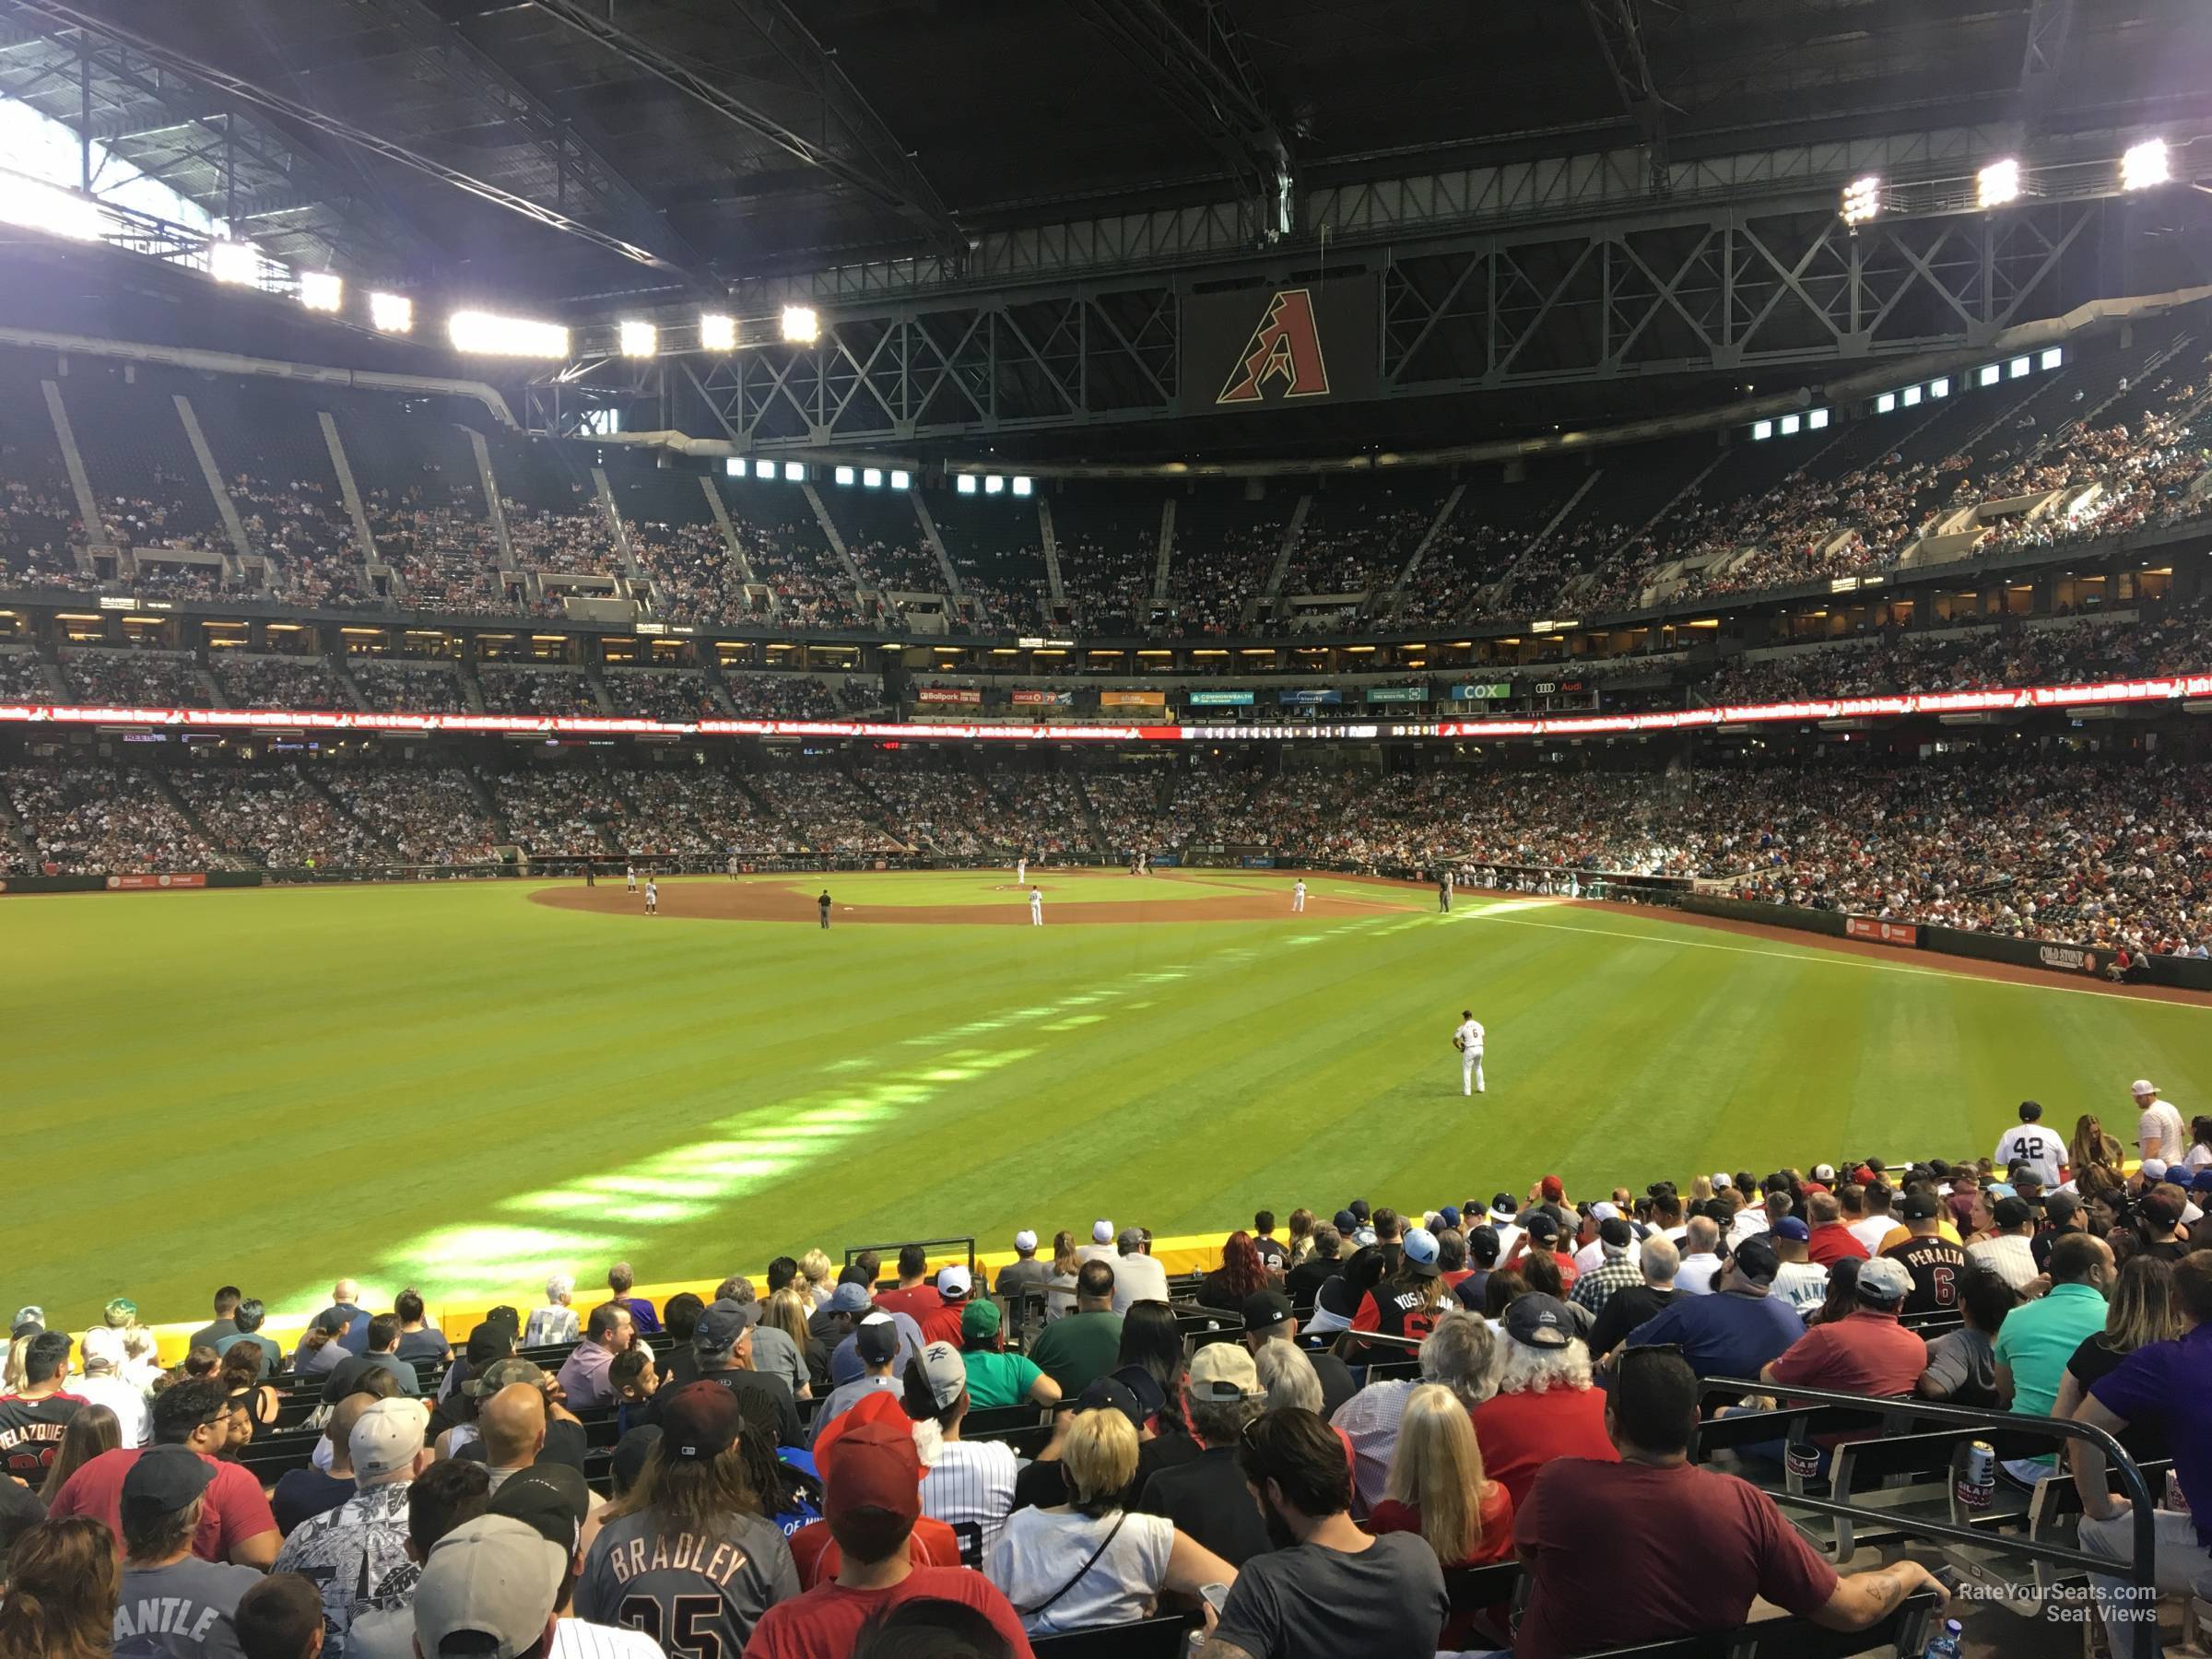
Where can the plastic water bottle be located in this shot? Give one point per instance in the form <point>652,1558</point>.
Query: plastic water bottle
<point>1946,1646</point>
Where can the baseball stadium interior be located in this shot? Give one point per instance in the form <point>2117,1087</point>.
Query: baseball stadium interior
<point>1683,524</point>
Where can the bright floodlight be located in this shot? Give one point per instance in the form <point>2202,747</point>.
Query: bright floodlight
<point>1816,421</point>
<point>322,290</point>
<point>1885,403</point>
<point>764,469</point>
<point>636,339</point>
<point>1862,199</point>
<point>1022,487</point>
<point>872,478</point>
<point>392,313</point>
<point>717,331</point>
<point>1997,183</point>
<point>794,471</point>
<point>2051,357</point>
<point>844,474</point>
<point>37,207</point>
<point>802,326</point>
<point>899,479</point>
<point>1790,423</point>
<point>234,262</point>
<point>964,483</point>
<point>1762,431</point>
<point>2143,165</point>
<point>482,333</point>
<point>994,484</point>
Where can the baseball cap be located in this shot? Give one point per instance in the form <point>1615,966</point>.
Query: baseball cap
<point>386,1438</point>
<point>701,1421</point>
<point>493,1575</point>
<point>505,1373</point>
<point>943,1373</point>
<point>2141,1086</point>
<point>1224,1371</point>
<point>2199,1183</point>
<point>630,1452</point>
<point>1358,1207</point>
<point>1920,1204</point>
<point>1605,1210</point>
<point>1101,1233</point>
<point>1345,1222</point>
<point>1615,1233</point>
<point>1884,1282</point>
<point>955,1282</point>
<point>1151,1400</point>
<point>1822,1172</point>
<point>123,1311</point>
<point>1449,1214</point>
<point>1025,1239</point>
<point>2154,1168</point>
<point>551,1499</point>
<point>979,1320</point>
<point>876,1339</point>
<point>1503,1207</point>
<point>1363,1236</point>
<point>849,1299</point>
<point>487,1342</point>
<point>1417,1251</point>
<point>2061,1208</point>
<point>2013,1212</point>
<point>1756,1260</point>
<point>1130,1238</point>
<point>332,1321</point>
<point>103,1347</point>
<point>28,1320</point>
<point>1790,1227</point>
<point>872,1465</point>
<point>1719,1181</point>
<point>1553,1189</point>
<point>721,1326</point>
<point>164,1479</point>
<point>1539,1320</point>
<point>1111,1394</point>
<point>1543,1225</point>
<point>1264,1310</point>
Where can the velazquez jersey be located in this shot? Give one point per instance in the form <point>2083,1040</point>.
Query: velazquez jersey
<point>698,1594</point>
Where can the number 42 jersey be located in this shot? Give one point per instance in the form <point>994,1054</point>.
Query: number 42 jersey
<point>697,1594</point>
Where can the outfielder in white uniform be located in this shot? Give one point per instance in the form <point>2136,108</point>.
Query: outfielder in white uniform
<point>1298,897</point>
<point>1468,1039</point>
<point>1021,872</point>
<point>652,898</point>
<point>1036,908</point>
<point>631,871</point>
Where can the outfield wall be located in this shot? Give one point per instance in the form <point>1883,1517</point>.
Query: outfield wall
<point>2080,962</point>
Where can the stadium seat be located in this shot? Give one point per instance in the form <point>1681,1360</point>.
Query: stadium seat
<point>1161,1637</point>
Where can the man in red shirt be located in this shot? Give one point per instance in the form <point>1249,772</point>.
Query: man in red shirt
<point>915,1296</point>
<point>942,1322</point>
<point>872,1496</point>
<point>1866,1351</point>
<point>813,1549</point>
<point>235,1522</point>
<point>1642,1586</point>
<point>1545,1406</point>
<point>1831,1241</point>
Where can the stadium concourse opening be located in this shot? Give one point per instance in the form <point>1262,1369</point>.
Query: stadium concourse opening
<point>992,898</point>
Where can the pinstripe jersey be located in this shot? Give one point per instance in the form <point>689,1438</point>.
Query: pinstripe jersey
<point>696,1595</point>
<point>970,1488</point>
<point>577,1639</point>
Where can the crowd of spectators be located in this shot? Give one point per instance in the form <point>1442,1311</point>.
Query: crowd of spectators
<point>268,682</point>
<point>778,694</point>
<point>1300,1452</point>
<point>513,690</point>
<point>672,695</point>
<point>23,679</point>
<point>399,686</point>
<point>133,679</point>
<point>102,820</point>
<point>274,818</point>
<point>940,809</point>
<point>426,813</point>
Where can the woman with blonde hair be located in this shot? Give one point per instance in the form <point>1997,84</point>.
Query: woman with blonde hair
<point>819,1279</point>
<point>1437,1488</point>
<point>1088,1562</point>
<point>1061,1288</point>
<point>61,1592</point>
<point>788,1311</point>
<point>1300,1243</point>
<point>2140,1311</point>
<point>2090,1145</point>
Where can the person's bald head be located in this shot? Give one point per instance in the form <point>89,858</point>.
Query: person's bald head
<point>512,1423</point>
<point>339,1429</point>
<point>345,1290</point>
<point>1702,1235</point>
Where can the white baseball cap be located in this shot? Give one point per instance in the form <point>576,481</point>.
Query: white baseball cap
<point>102,1349</point>
<point>2154,1168</point>
<point>1605,1210</point>
<point>1025,1239</point>
<point>386,1438</point>
<point>1101,1233</point>
<point>1824,1171</point>
<point>955,1281</point>
<point>2141,1086</point>
<point>1720,1179</point>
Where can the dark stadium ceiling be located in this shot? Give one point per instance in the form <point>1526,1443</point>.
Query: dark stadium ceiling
<point>569,149</point>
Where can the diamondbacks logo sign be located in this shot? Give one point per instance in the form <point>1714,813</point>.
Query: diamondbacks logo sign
<point>1278,345</point>
<point>1286,347</point>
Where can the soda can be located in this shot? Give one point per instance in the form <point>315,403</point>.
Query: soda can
<point>1978,1480</point>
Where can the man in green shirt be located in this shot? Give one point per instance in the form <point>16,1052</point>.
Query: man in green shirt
<point>2038,1337</point>
<point>1078,1348</point>
<point>995,1377</point>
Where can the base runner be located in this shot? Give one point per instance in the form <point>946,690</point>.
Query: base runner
<point>1468,1039</point>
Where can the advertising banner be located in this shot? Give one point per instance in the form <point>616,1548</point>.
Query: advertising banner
<point>1133,699</point>
<point>1044,699</point>
<point>1398,694</point>
<point>1275,347</point>
<point>1496,691</point>
<point>1218,699</point>
<point>135,883</point>
<point>959,694</point>
<point>1310,696</point>
<point>1887,933</point>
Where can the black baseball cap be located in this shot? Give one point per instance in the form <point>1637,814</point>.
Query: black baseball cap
<point>630,1452</point>
<point>2013,1212</point>
<point>1264,1310</point>
<point>1920,1204</point>
<point>164,1479</point>
<point>551,1499</point>
<point>1756,1260</point>
<point>488,1342</point>
<point>1539,1320</point>
<point>1109,1393</point>
<point>1151,1399</point>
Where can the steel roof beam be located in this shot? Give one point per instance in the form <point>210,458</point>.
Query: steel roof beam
<point>870,160</point>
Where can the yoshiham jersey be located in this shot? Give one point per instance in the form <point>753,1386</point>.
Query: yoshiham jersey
<point>696,1593</point>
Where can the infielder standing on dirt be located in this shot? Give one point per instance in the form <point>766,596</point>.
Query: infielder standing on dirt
<point>631,871</point>
<point>1468,1039</point>
<point>1298,896</point>
<point>652,898</point>
<point>1036,908</point>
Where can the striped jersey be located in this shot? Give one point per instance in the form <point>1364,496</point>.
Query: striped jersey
<point>970,1488</point>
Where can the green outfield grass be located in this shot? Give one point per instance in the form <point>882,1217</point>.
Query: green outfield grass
<point>453,1087</point>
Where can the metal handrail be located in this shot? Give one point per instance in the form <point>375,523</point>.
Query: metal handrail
<point>2143,1570</point>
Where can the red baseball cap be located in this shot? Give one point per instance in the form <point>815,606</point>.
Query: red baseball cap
<point>1554,1189</point>
<point>871,1464</point>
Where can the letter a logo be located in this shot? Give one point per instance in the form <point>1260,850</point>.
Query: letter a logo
<point>1287,344</point>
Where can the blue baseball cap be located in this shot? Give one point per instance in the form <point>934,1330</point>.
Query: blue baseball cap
<point>1449,1214</point>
